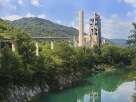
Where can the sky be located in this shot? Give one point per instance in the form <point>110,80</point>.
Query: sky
<point>116,15</point>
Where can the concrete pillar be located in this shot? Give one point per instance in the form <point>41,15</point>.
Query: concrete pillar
<point>81,28</point>
<point>13,47</point>
<point>103,41</point>
<point>79,100</point>
<point>69,43</point>
<point>37,48</point>
<point>74,41</point>
<point>52,45</point>
<point>0,45</point>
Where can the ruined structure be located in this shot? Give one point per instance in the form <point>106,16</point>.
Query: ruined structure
<point>95,30</point>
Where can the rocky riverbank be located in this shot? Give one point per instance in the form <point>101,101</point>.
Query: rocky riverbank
<point>25,93</point>
<point>70,80</point>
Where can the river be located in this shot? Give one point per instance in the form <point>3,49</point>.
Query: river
<point>118,86</point>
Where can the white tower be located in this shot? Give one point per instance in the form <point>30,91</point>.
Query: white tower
<point>81,28</point>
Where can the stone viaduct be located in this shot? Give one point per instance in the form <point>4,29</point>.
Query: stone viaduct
<point>37,39</point>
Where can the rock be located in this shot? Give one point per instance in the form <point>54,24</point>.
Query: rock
<point>47,86</point>
<point>62,81</point>
<point>60,88</point>
<point>24,93</point>
<point>46,90</point>
<point>69,82</point>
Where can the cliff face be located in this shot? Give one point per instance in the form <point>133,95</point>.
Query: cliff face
<point>24,93</point>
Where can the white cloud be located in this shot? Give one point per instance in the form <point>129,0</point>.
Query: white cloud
<point>75,3</point>
<point>73,25</point>
<point>42,16</point>
<point>20,2</point>
<point>12,7</point>
<point>29,15</point>
<point>131,2</point>
<point>4,4</point>
<point>77,18</point>
<point>132,14</point>
<point>35,3</point>
<point>58,21</point>
<point>118,0</point>
<point>12,18</point>
<point>3,1</point>
<point>129,14</point>
<point>114,27</point>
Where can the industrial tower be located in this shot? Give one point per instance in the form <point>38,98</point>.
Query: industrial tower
<point>95,30</point>
<point>81,28</point>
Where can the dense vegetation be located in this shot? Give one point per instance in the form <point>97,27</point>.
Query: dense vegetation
<point>25,67</point>
<point>45,28</point>
<point>5,28</point>
<point>132,42</point>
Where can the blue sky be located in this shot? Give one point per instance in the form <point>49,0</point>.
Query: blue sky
<point>116,15</point>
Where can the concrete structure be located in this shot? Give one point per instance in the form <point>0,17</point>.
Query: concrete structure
<point>79,100</point>
<point>103,40</point>
<point>95,30</point>
<point>13,47</point>
<point>37,48</point>
<point>81,28</point>
<point>52,45</point>
<point>37,39</point>
<point>94,35</point>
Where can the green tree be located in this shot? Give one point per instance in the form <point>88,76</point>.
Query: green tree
<point>11,65</point>
<point>85,58</point>
<point>67,54</point>
<point>96,52</point>
<point>25,47</point>
<point>111,53</point>
<point>132,42</point>
<point>132,38</point>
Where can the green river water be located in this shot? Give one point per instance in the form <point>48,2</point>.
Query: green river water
<point>118,86</point>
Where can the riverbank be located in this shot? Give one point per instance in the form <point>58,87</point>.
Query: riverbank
<point>100,86</point>
<point>20,93</point>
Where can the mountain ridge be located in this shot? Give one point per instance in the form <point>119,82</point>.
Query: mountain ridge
<point>120,42</point>
<point>44,28</point>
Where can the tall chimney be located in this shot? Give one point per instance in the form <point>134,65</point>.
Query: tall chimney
<point>81,28</point>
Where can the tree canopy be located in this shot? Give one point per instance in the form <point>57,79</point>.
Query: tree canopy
<point>132,38</point>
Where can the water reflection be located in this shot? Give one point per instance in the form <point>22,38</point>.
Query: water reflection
<point>105,87</point>
<point>133,97</point>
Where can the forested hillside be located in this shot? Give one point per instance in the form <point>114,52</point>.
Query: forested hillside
<point>5,28</point>
<point>119,42</point>
<point>44,28</point>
